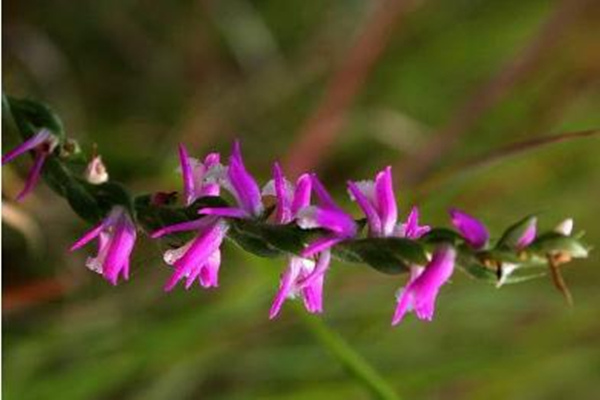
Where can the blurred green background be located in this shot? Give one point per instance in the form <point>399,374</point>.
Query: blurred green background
<point>360,84</point>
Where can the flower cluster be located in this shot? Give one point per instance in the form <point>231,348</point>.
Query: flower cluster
<point>306,205</point>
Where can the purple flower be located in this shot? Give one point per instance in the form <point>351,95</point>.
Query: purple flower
<point>116,237</point>
<point>424,284</point>
<point>411,228</point>
<point>304,277</point>
<point>472,230</point>
<point>325,215</point>
<point>200,258</point>
<point>237,181</point>
<point>193,172</point>
<point>42,144</point>
<point>377,200</point>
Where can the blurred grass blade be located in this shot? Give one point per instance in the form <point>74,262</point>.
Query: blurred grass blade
<point>501,154</point>
<point>353,362</point>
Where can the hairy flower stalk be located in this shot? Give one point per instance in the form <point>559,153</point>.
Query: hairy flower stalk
<point>41,144</point>
<point>116,237</point>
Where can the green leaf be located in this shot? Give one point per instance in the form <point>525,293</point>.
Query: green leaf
<point>441,235</point>
<point>553,242</point>
<point>388,255</point>
<point>511,236</point>
<point>473,267</point>
<point>31,116</point>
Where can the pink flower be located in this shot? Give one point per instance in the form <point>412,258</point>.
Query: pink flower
<point>378,202</point>
<point>194,172</point>
<point>42,144</point>
<point>424,284</point>
<point>116,237</point>
<point>304,276</point>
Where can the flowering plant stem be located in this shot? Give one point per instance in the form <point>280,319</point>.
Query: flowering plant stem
<point>306,233</point>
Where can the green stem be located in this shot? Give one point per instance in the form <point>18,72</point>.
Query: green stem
<point>353,362</point>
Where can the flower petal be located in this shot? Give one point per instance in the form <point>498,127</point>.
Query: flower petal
<point>301,198</point>
<point>474,232</point>
<point>334,220</point>
<point>33,176</point>
<point>244,186</point>
<point>285,286</point>
<point>29,144</point>
<point>182,227</point>
<point>321,245</point>
<point>386,201</point>
<point>368,208</point>
<point>228,212</point>
<point>202,247</point>
<point>528,235</point>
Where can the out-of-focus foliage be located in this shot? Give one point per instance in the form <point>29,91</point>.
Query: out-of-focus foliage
<point>138,77</point>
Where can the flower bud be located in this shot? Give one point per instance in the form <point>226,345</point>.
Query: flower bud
<point>565,227</point>
<point>95,172</point>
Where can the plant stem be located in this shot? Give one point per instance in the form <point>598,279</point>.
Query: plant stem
<point>351,360</point>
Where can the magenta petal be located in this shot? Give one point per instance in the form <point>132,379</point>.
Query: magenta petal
<point>182,227</point>
<point>245,187</point>
<point>283,213</point>
<point>405,303</point>
<point>320,245</point>
<point>370,212</point>
<point>474,232</point>
<point>412,229</point>
<point>301,194</point>
<point>333,220</point>
<point>528,235</point>
<point>121,245</point>
<point>320,268</point>
<point>87,237</point>
<point>324,198</point>
<point>228,212</point>
<point>29,144</point>
<point>33,176</point>
<point>207,189</point>
<point>386,201</point>
<point>285,286</point>
<point>187,175</point>
<point>202,247</point>
<point>426,286</point>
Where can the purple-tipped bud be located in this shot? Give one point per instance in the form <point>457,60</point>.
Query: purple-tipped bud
<point>472,230</point>
<point>528,235</point>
